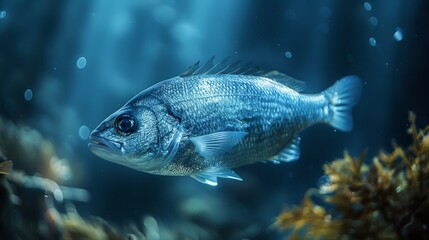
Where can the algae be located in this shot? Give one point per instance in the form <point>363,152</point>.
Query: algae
<point>385,199</point>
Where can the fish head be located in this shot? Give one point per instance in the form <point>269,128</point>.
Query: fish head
<point>128,137</point>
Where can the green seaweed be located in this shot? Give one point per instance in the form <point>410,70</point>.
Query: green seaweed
<point>386,199</point>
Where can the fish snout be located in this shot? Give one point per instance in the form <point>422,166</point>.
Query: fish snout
<point>94,133</point>
<point>99,144</point>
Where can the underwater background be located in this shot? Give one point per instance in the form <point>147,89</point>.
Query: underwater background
<point>66,65</point>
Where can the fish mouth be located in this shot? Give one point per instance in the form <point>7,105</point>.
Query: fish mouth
<point>104,148</point>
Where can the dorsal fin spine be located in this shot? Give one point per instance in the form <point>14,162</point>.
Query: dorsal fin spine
<point>223,67</point>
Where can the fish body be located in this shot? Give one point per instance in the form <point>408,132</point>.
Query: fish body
<point>204,123</point>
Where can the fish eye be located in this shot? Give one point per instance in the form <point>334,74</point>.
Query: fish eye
<point>125,124</point>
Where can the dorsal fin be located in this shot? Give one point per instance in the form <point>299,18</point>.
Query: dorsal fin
<point>289,81</point>
<point>206,67</point>
<point>223,67</point>
<point>191,70</point>
<point>236,68</point>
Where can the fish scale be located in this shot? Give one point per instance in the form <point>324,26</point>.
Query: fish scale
<point>214,118</point>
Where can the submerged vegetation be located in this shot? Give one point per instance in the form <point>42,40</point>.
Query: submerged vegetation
<point>386,199</point>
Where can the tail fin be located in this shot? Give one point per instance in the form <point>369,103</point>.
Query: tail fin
<point>342,96</point>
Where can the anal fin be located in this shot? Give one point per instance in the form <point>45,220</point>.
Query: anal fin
<point>290,153</point>
<point>210,177</point>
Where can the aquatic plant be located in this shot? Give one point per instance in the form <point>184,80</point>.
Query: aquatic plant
<point>28,210</point>
<point>386,199</point>
<point>29,204</point>
<point>32,153</point>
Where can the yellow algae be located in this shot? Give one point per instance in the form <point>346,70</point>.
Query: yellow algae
<point>385,199</point>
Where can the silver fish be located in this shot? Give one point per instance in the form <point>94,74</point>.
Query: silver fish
<point>214,118</point>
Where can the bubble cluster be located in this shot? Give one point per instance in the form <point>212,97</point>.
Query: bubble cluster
<point>28,95</point>
<point>81,62</point>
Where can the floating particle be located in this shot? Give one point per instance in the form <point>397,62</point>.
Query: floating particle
<point>325,12</point>
<point>2,14</point>
<point>288,54</point>
<point>372,42</point>
<point>81,62</point>
<point>367,6</point>
<point>84,132</point>
<point>398,35</point>
<point>28,95</point>
<point>373,21</point>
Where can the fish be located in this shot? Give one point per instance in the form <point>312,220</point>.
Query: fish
<point>214,118</point>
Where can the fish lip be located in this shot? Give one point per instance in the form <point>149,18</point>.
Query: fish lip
<point>99,143</point>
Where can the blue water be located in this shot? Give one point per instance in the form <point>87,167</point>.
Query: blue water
<point>66,65</point>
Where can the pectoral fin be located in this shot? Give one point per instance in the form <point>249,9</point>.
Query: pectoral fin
<point>210,177</point>
<point>290,153</point>
<point>216,144</point>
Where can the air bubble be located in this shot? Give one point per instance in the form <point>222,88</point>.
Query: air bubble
<point>2,14</point>
<point>367,6</point>
<point>373,21</point>
<point>28,95</point>
<point>372,42</point>
<point>84,132</point>
<point>288,54</point>
<point>81,62</point>
<point>398,189</point>
<point>398,35</point>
